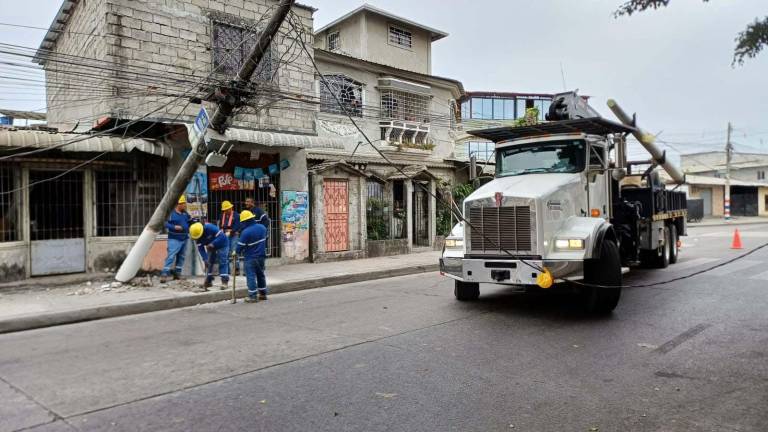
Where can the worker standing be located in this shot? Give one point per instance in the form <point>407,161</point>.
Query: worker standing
<point>260,214</point>
<point>178,229</point>
<point>252,246</point>
<point>230,224</point>
<point>213,246</point>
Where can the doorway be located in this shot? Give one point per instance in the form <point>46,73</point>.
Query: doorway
<point>336,203</point>
<point>57,229</point>
<point>420,215</point>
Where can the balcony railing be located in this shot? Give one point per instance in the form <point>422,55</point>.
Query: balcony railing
<point>409,134</point>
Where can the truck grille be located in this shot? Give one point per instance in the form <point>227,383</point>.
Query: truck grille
<point>500,228</point>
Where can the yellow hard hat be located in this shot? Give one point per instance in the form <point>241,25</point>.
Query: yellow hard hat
<point>226,205</point>
<point>182,199</point>
<point>245,215</point>
<point>196,230</point>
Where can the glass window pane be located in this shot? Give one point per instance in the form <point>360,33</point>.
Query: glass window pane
<point>477,108</point>
<point>520,109</point>
<point>545,108</point>
<point>487,109</point>
<point>498,109</point>
<point>509,109</point>
<point>465,113</point>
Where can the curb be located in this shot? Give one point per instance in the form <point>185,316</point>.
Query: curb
<point>145,306</point>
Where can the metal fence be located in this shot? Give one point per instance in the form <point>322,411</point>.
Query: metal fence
<point>126,198</point>
<point>9,203</point>
<point>378,212</point>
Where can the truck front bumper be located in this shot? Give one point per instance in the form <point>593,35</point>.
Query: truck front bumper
<point>510,272</point>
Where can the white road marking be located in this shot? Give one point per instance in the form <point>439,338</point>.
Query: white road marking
<point>761,276</point>
<point>692,263</point>
<point>744,234</point>
<point>734,267</point>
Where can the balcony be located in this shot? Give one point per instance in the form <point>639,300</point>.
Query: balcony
<point>404,133</point>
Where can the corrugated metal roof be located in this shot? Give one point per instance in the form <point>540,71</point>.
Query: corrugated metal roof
<point>410,172</point>
<point>24,115</point>
<point>375,160</point>
<point>278,139</point>
<point>20,139</point>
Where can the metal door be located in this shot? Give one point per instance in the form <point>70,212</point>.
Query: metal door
<point>336,202</point>
<point>420,216</point>
<point>56,223</point>
<point>706,196</point>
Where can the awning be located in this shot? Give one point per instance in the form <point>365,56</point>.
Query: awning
<point>277,139</point>
<point>24,139</point>
<point>391,83</point>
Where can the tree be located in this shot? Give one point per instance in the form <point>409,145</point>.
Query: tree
<point>749,42</point>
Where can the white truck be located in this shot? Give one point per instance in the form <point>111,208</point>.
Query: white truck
<point>566,207</point>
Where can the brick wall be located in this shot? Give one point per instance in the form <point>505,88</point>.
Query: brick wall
<point>172,39</point>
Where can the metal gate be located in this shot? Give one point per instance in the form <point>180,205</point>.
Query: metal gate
<point>706,196</point>
<point>56,223</point>
<point>420,216</point>
<point>744,201</point>
<point>336,202</point>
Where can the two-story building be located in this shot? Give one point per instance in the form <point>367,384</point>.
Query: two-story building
<point>124,80</point>
<point>377,76</point>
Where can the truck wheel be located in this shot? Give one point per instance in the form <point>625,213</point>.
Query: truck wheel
<point>604,271</point>
<point>466,291</point>
<point>674,251</point>
<point>657,258</point>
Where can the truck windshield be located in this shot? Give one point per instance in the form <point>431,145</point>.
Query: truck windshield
<point>566,156</point>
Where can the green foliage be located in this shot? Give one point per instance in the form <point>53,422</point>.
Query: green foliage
<point>531,117</point>
<point>749,43</point>
<point>459,193</point>
<point>376,220</point>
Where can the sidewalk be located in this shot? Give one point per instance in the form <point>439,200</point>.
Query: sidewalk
<point>33,305</point>
<point>719,221</point>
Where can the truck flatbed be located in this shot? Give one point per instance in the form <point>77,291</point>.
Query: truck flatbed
<point>591,126</point>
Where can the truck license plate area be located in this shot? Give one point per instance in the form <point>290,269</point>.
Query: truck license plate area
<point>508,265</point>
<point>500,275</point>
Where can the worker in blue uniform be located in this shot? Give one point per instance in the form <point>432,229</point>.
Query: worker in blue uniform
<point>261,215</point>
<point>178,233</point>
<point>229,222</point>
<point>252,247</point>
<point>213,246</point>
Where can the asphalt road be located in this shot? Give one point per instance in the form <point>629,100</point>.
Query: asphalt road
<point>402,355</point>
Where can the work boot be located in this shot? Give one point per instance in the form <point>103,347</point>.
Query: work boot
<point>250,299</point>
<point>223,285</point>
<point>262,296</point>
<point>207,284</point>
<point>176,276</point>
<point>163,279</point>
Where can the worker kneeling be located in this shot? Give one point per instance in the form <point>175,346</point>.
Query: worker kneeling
<point>213,246</point>
<point>252,246</point>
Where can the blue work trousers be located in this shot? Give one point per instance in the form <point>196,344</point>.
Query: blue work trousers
<point>220,257</point>
<point>174,261</point>
<point>233,238</point>
<point>255,276</point>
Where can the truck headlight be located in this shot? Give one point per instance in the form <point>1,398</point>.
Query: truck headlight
<point>569,244</point>
<point>454,243</point>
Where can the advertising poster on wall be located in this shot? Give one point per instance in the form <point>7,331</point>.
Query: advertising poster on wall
<point>197,194</point>
<point>295,224</point>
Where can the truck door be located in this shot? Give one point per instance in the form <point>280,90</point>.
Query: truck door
<point>597,181</point>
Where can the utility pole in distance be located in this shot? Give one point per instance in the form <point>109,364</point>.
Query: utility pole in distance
<point>224,109</point>
<point>728,151</point>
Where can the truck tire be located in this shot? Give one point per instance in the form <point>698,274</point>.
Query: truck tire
<point>657,258</point>
<point>466,291</point>
<point>603,271</point>
<point>674,251</point>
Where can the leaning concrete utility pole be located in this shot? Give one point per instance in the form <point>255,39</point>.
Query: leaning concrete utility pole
<point>223,112</point>
<point>728,152</point>
<point>647,140</point>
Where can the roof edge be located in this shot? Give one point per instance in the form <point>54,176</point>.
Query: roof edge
<point>435,34</point>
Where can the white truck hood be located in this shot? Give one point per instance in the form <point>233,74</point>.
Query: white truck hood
<point>526,185</point>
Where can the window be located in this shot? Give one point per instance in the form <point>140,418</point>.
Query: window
<point>761,175</point>
<point>400,105</point>
<point>482,150</point>
<point>553,157</point>
<point>348,92</point>
<point>9,204</point>
<point>400,37</point>
<point>466,106</point>
<point>232,46</point>
<point>377,215</point>
<point>334,41</point>
<point>126,198</point>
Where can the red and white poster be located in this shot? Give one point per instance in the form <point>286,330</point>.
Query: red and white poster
<point>222,181</point>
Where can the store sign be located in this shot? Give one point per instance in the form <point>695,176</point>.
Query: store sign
<point>223,181</point>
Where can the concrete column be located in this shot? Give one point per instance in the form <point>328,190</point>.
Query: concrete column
<point>26,235</point>
<point>432,213</point>
<point>363,213</point>
<point>89,207</point>
<point>409,212</point>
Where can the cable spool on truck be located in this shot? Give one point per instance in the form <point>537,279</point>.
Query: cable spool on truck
<point>566,207</point>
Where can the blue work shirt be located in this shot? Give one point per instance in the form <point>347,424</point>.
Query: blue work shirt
<point>230,222</point>
<point>212,235</point>
<point>180,219</point>
<point>261,217</point>
<point>253,240</point>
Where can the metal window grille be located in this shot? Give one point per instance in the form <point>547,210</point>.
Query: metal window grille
<point>349,93</point>
<point>400,37</point>
<point>230,52</point>
<point>334,41</point>
<point>126,198</point>
<point>9,204</point>
<point>400,105</point>
<point>420,215</point>
<point>378,213</point>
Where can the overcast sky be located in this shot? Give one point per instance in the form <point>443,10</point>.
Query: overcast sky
<point>672,66</point>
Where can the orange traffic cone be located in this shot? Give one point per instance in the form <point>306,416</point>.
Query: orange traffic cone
<point>736,240</point>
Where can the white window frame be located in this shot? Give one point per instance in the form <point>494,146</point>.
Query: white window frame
<point>393,29</point>
<point>338,40</point>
